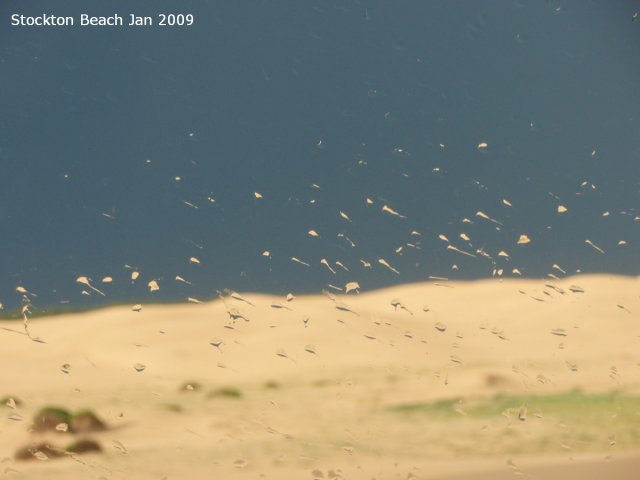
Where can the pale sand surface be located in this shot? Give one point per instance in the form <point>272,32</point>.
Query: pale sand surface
<point>333,409</point>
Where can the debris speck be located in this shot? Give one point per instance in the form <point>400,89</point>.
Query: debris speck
<point>352,286</point>
<point>560,332</point>
<point>523,239</point>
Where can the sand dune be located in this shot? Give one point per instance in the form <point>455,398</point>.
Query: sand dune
<point>417,381</point>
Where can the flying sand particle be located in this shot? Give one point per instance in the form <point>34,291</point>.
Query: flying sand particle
<point>85,281</point>
<point>560,332</point>
<point>441,327</point>
<point>189,204</point>
<point>297,260</point>
<point>523,240</point>
<point>391,211</point>
<point>486,217</point>
<point>451,247</point>
<point>237,296</point>
<point>383,262</point>
<point>326,264</point>
<point>347,239</point>
<point>339,263</point>
<point>180,279</point>
<point>593,245</point>
<point>352,286</point>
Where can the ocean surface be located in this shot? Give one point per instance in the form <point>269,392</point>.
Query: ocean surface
<point>369,141</point>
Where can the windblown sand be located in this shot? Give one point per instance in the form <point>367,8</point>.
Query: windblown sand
<point>343,387</point>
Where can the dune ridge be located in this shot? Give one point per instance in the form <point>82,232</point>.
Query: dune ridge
<point>342,383</point>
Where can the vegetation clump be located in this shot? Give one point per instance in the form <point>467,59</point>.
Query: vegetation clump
<point>39,451</point>
<point>45,451</point>
<point>85,421</point>
<point>226,392</point>
<point>84,445</point>
<point>48,418</point>
<point>57,419</point>
<point>10,400</point>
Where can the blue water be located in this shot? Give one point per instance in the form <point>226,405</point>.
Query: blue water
<point>355,97</point>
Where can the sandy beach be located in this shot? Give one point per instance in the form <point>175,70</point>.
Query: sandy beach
<point>438,380</point>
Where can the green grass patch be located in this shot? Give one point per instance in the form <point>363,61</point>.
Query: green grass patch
<point>49,417</point>
<point>574,403</point>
